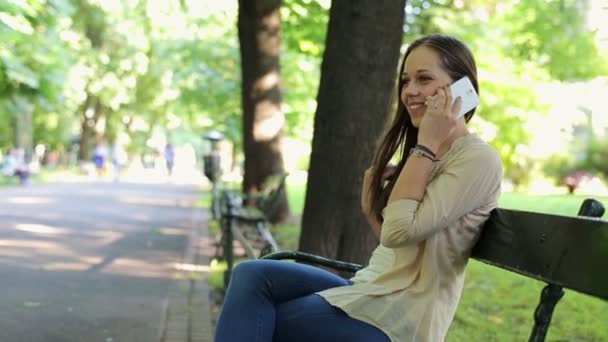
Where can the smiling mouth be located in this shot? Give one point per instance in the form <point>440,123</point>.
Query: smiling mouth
<point>417,106</point>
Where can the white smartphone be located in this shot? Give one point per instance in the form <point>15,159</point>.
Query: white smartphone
<point>464,88</point>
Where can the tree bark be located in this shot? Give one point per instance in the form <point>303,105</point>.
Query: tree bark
<point>94,28</point>
<point>92,112</point>
<point>357,86</point>
<point>259,26</point>
<point>86,131</point>
<point>24,124</point>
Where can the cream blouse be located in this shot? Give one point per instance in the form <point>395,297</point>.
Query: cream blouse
<point>412,284</point>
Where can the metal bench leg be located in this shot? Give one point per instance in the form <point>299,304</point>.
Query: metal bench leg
<point>236,233</point>
<point>216,211</point>
<point>227,229</point>
<point>262,228</point>
<point>549,297</point>
<point>228,252</point>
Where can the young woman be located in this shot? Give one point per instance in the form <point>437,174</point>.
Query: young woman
<point>427,212</point>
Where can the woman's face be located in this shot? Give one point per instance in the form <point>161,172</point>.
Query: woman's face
<point>422,75</point>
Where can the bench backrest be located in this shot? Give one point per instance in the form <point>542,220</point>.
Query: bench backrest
<point>567,251</point>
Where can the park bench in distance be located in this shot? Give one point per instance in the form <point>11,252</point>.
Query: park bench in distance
<point>246,218</point>
<point>565,252</point>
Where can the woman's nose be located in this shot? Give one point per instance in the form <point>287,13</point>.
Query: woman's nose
<point>409,90</point>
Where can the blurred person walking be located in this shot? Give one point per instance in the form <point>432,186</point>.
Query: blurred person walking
<point>99,157</point>
<point>169,158</point>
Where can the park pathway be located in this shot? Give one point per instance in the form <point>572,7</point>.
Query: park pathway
<point>103,261</point>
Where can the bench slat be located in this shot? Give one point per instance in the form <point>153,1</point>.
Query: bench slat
<point>568,251</point>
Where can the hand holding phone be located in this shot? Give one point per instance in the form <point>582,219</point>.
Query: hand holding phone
<point>464,88</point>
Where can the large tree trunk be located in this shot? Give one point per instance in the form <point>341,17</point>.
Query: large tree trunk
<point>91,109</point>
<point>24,124</point>
<point>87,135</point>
<point>92,126</point>
<point>259,25</point>
<point>354,100</point>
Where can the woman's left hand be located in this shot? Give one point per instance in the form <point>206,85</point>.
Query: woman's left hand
<point>439,120</point>
<point>366,188</point>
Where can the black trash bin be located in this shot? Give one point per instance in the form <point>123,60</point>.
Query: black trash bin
<point>212,166</point>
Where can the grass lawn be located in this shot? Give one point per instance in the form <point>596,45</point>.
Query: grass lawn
<point>555,204</point>
<point>498,305</point>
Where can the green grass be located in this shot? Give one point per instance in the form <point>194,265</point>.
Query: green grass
<point>36,178</point>
<point>498,305</point>
<point>554,204</point>
<point>8,181</point>
<point>216,274</point>
<point>296,194</point>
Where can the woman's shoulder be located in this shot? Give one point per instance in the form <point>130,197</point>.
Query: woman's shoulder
<point>474,152</point>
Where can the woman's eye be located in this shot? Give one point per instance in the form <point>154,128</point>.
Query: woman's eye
<point>424,79</point>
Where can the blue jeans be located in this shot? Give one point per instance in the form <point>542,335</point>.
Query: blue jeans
<point>269,300</point>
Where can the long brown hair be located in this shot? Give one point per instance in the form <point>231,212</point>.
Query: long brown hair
<point>458,61</point>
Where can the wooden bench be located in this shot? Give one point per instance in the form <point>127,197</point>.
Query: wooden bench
<point>565,252</point>
<point>246,218</point>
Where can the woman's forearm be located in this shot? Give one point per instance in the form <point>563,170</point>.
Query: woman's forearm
<point>412,181</point>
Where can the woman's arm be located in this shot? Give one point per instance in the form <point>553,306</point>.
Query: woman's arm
<point>466,184</point>
<point>413,179</point>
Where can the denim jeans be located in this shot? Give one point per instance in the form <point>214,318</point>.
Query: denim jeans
<point>269,300</point>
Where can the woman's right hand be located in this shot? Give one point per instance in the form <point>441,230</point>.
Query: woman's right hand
<point>439,122</point>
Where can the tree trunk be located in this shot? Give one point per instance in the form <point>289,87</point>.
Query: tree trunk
<point>93,29</point>
<point>92,126</point>
<point>24,124</point>
<point>259,25</point>
<point>357,87</point>
<point>86,133</point>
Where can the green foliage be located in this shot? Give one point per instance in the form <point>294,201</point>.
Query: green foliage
<point>152,62</point>
<point>593,160</point>
<point>304,26</point>
<point>200,67</point>
<point>507,96</point>
<point>33,64</point>
<point>516,47</point>
<point>559,166</point>
<point>533,37</point>
<point>597,156</point>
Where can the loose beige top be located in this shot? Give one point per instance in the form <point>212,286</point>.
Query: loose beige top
<point>412,284</point>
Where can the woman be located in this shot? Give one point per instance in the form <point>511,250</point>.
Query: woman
<point>427,212</point>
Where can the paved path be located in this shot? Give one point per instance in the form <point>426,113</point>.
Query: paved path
<point>103,262</point>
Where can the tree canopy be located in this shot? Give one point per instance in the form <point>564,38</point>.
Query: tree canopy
<point>161,67</point>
